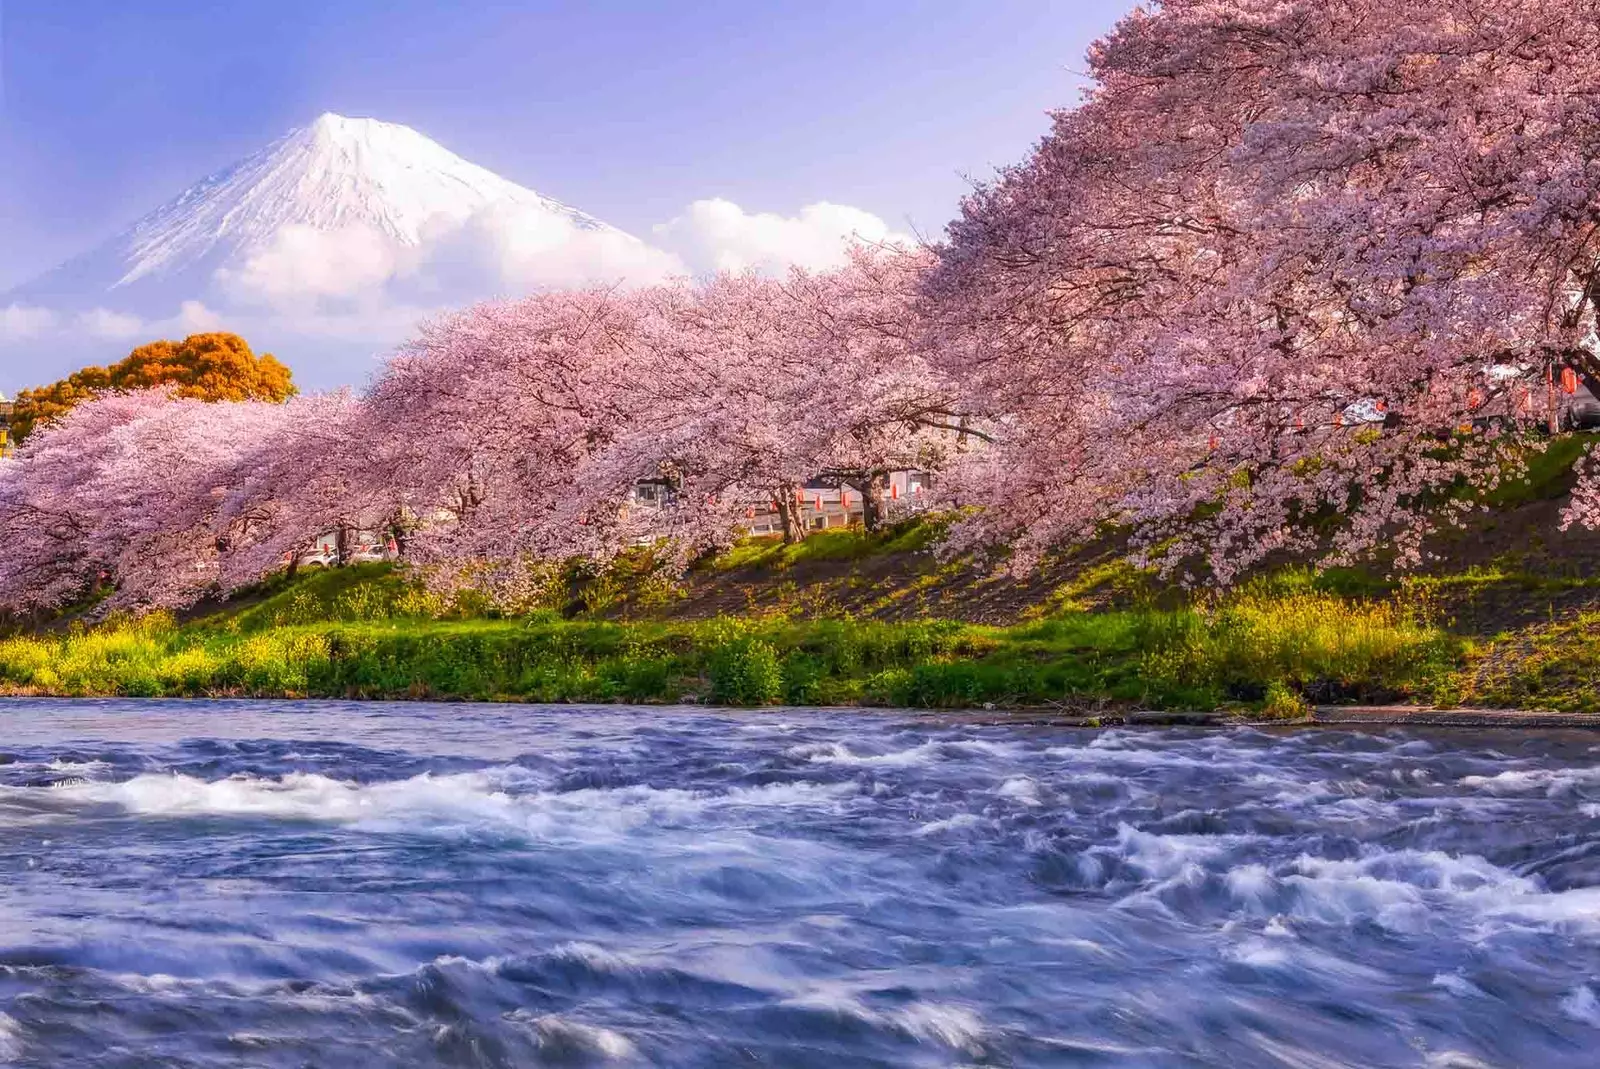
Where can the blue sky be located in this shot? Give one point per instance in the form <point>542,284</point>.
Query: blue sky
<point>627,110</point>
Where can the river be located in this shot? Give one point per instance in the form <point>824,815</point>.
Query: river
<point>351,885</point>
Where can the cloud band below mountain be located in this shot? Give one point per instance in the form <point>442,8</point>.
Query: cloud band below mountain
<point>368,289</point>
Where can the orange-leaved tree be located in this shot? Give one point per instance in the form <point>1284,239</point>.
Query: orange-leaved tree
<point>211,367</point>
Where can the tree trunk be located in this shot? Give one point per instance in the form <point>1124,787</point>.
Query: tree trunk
<point>342,545</point>
<point>794,529</point>
<point>874,503</point>
<point>1553,413</point>
<point>397,532</point>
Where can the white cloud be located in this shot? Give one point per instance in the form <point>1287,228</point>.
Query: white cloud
<point>311,294</point>
<point>195,318</point>
<point>719,235</point>
<point>105,323</point>
<point>302,266</point>
<point>24,321</point>
<point>503,249</point>
<point>511,249</point>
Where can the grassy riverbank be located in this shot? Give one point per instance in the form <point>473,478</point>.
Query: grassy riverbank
<point>1508,615</point>
<point>358,635</point>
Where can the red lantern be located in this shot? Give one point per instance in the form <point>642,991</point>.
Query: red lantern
<point>1475,397</point>
<point>1212,444</point>
<point>817,502</point>
<point>1569,380</point>
<point>894,491</point>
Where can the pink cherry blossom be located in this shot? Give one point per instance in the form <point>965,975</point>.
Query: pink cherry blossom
<point>1267,212</point>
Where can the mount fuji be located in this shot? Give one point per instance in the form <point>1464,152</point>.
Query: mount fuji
<point>329,243</point>
<point>328,247</point>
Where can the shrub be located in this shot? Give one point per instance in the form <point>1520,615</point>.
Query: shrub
<point>1284,703</point>
<point>746,671</point>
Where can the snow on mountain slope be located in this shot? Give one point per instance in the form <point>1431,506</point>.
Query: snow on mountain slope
<point>329,175</point>
<point>368,183</point>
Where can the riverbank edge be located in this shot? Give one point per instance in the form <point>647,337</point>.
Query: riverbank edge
<point>1329,716</point>
<point>1326,716</point>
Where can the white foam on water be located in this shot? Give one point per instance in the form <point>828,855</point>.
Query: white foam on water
<point>595,957</point>
<point>491,800</point>
<point>1574,911</point>
<point>1021,789</point>
<point>837,753</point>
<point>986,747</point>
<point>1101,779</point>
<point>954,1026</point>
<point>1259,954</point>
<point>1251,883</point>
<point>1163,857</point>
<point>1097,755</point>
<point>562,1034</point>
<point>1407,890</point>
<point>1278,950</point>
<point>945,1023</point>
<point>1455,1059</point>
<point>953,823</point>
<point>1553,782</point>
<point>10,1038</point>
<point>1580,1004</point>
<point>1458,985</point>
<point>85,769</point>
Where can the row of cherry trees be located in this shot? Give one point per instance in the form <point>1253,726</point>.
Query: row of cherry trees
<point>509,432</point>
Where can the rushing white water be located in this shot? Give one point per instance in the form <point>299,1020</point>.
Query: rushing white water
<point>323,884</point>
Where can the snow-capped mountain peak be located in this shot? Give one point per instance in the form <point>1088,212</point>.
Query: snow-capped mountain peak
<point>336,174</point>
<point>327,247</point>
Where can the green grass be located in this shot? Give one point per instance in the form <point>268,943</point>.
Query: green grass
<point>1108,633</point>
<point>361,592</point>
<point>1253,651</point>
<point>845,543</point>
<point>1548,474</point>
<point>1554,666</point>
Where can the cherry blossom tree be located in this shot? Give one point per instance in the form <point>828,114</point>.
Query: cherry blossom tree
<point>754,386</point>
<point>123,493</point>
<point>521,429</point>
<point>480,424</point>
<point>325,467</point>
<point>1289,260</point>
<point>878,403</point>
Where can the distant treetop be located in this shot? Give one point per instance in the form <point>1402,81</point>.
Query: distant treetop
<point>208,367</point>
